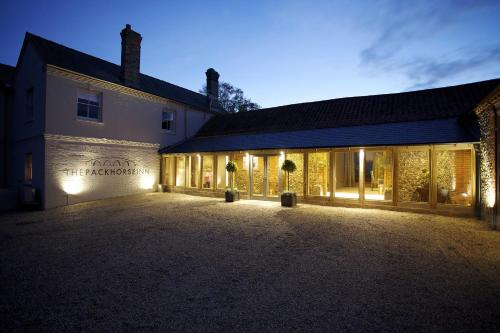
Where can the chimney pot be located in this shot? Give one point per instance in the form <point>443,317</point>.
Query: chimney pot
<point>131,55</point>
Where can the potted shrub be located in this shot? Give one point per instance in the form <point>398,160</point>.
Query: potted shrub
<point>288,198</point>
<point>232,193</point>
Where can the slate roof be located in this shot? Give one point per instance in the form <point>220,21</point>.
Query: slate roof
<point>6,74</point>
<point>430,104</point>
<point>67,58</point>
<point>449,130</point>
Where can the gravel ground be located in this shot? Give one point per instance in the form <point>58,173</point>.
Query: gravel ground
<point>177,262</point>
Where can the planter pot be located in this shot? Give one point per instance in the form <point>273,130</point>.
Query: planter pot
<point>289,199</point>
<point>163,188</point>
<point>232,196</point>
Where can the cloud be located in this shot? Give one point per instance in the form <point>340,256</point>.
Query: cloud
<point>425,72</point>
<point>406,28</point>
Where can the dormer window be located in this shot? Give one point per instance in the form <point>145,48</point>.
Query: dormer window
<point>167,122</point>
<point>89,106</point>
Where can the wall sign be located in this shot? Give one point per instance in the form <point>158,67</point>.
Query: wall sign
<point>110,166</point>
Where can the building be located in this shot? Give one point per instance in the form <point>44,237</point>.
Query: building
<point>83,129</point>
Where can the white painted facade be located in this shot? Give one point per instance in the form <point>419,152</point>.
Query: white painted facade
<point>76,160</point>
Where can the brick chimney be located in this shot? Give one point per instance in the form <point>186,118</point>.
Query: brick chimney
<point>212,84</point>
<point>131,55</point>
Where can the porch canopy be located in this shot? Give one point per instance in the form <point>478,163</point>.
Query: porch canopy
<point>440,131</point>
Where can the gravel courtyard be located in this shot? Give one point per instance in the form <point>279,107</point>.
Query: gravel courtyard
<point>176,262</point>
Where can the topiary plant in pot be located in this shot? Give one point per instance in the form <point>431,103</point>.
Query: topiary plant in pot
<point>288,198</point>
<point>232,193</point>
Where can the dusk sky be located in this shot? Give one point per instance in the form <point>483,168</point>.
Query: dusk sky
<point>278,52</point>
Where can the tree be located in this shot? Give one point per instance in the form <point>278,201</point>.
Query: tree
<point>288,166</point>
<point>231,167</point>
<point>232,99</point>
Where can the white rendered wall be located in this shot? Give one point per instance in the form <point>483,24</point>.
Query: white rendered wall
<point>124,116</point>
<point>77,170</point>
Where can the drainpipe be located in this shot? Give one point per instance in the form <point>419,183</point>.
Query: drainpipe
<point>478,180</point>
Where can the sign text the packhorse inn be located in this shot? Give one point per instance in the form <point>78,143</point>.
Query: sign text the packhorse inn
<point>107,167</point>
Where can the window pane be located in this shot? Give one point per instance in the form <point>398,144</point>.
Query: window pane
<point>194,170</point>
<point>378,175</point>
<point>297,177</point>
<point>222,180</point>
<point>166,125</point>
<point>208,171</point>
<point>318,174</point>
<point>93,112</point>
<point>241,176</point>
<point>28,167</point>
<point>413,176</point>
<point>273,175</point>
<point>257,175</point>
<point>88,96</point>
<point>167,115</point>
<point>82,110</point>
<point>454,177</point>
<point>347,175</point>
<point>180,171</point>
<point>166,171</point>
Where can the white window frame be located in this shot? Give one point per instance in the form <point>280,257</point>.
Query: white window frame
<point>89,97</point>
<point>172,121</point>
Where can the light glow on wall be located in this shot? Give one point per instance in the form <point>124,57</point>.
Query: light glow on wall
<point>72,185</point>
<point>146,182</point>
<point>490,197</point>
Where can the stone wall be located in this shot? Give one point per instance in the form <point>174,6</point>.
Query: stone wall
<point>487,155</point>
<point>413,176</point>
<point>297,177</point>
<point>242,175</point>
<point>453,176</point>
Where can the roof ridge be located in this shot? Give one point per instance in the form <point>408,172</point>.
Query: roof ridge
<point>45,40</point>
<point>272,108</point>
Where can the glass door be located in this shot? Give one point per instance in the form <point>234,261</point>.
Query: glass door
<point>272,175</point>
<point>265,176</point>
<point>258,176</point>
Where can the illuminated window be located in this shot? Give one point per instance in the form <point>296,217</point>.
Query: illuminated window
<point>30,113</point>
<point>166,173</point>
<point>318,174</point>
<point>222,176</point>
<point>347,175</point>
<point>194,170</point>
<point>454,177</point>
<point>297,177</point>
<point>241,177</point>
<point>378,175</point>
<point>89,106</point>
<point>28,168</point>
<point>413,176</point>
<point>180,171</point>
<point>167,120</point>
<point>208,171</point>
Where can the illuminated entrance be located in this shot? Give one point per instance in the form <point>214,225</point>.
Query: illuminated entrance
<point>264,176</point>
